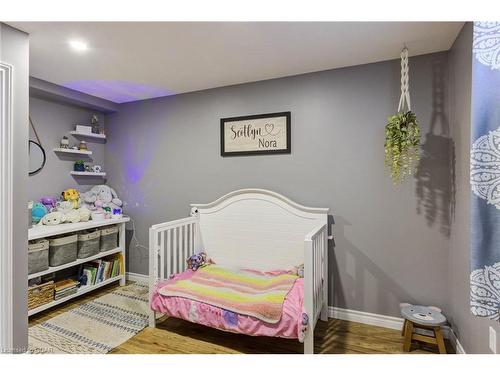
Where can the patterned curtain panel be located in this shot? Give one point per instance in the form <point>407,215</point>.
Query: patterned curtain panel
<point>485,171</point>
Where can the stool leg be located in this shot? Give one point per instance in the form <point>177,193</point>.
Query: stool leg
<point>408,334</point>
<point>439,339</point>
<point>403,331</point>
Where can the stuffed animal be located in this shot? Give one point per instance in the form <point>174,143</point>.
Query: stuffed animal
<point>107,195</point>
<point>72,196</point>
<point>88,199</point>
<point>73,216</point>
<point>53,218</point>
<point>64,206</point>
<point>38,211</point>
<point>49,203</point>
<point>101,196</point>
<point>83,213</point>
<point>196,261</point>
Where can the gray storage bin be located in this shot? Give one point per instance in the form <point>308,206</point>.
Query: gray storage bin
<point>38,256</point>
<point>63,250</point>
<point>109,238</point>
<point>88,243</point>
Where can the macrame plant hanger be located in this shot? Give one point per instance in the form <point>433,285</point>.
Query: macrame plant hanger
<point>405,82</point>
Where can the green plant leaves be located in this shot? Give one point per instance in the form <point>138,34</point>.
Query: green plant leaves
<point>401,148</point>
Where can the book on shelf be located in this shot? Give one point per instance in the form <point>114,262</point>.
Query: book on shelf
<point>100,270</point>
<point>65,288</point>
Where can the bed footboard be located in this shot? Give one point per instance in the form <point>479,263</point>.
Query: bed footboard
<point>170,244</point>
<point>315,281</point>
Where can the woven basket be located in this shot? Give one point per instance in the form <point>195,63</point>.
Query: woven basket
<point>40,294</point>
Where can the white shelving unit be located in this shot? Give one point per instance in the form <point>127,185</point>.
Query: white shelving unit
<point>71,151</point>
<point>87,135</point>
<point>90,174</point>
<point>75,263</point>
<point>81,291</point>
<point>42,231</point>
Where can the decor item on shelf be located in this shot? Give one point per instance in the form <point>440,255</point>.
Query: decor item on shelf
<point>117,213</point>
<point>94,120</point>
<point>88,168</point>
<point>83,213</point>
<point>64,206</point>
<point>71,195</point>
<point>79,166</point>
<point>74,147</point>
<point>402,133</point>
<point>83,129</point>
<point>102,195</point>
<point>107,212</point>
<point>82,146</point>
<point>38,211</point>
<point>73,215</point>
<point>49,202</point>
<point>97,169</point>
<point>54,218</point>
<point>64,142</point>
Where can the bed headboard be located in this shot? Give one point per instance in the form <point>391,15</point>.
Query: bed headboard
<point>256,228</point>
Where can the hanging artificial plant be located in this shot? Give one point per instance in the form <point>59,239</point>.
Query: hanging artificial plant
<point>402,133</point>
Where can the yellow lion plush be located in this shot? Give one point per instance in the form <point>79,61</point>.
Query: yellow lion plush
<point>72,196</point>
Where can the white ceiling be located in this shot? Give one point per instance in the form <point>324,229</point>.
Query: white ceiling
<point>129,61</point>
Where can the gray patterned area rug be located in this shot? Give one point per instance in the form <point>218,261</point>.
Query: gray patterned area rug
<point>94,327</point>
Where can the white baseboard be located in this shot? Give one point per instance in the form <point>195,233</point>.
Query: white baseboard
<point>386,321</point>
<point>137,277</point>
<point>459,349</point>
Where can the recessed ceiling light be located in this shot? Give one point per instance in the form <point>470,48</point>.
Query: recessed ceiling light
<point>78,45</point>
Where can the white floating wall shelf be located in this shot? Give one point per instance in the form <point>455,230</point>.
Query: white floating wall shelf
<point>87,135</point>
<point>71,151</point>
<point>89,174</point>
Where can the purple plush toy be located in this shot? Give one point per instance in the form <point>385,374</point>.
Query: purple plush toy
<point>49,203</point>
<point>196,261</point>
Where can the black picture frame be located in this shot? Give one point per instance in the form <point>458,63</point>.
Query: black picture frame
<point>286,150</point>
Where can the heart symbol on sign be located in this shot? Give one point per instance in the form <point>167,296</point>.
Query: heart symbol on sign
<point>269,128</point>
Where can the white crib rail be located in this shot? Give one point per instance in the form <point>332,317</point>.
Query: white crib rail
<point>315,280</point>
<point>170,244</point>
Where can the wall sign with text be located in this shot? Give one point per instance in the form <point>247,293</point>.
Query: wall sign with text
<point>258,134</point>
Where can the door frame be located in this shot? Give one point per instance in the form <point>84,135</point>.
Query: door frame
<point>6,205</point>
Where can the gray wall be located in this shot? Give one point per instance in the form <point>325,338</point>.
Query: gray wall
<point>164,155</point>
<point>14,50</point>
<point>52,121</point>
<point>472,331</point>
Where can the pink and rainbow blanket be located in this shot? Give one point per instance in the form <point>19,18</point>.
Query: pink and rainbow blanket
<point>245,292</point>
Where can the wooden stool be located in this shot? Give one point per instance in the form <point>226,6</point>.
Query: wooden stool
<point>429,318</point>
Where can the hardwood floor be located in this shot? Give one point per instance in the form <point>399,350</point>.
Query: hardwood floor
<point>177,336</point>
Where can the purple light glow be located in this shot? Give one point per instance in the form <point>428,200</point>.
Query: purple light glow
<point>118,91</point>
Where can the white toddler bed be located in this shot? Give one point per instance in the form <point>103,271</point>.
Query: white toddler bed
<point>249,228</point>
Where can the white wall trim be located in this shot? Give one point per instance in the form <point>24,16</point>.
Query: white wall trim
<point>386,321</point>
<point>6,209</point>
<point>138,278</point>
